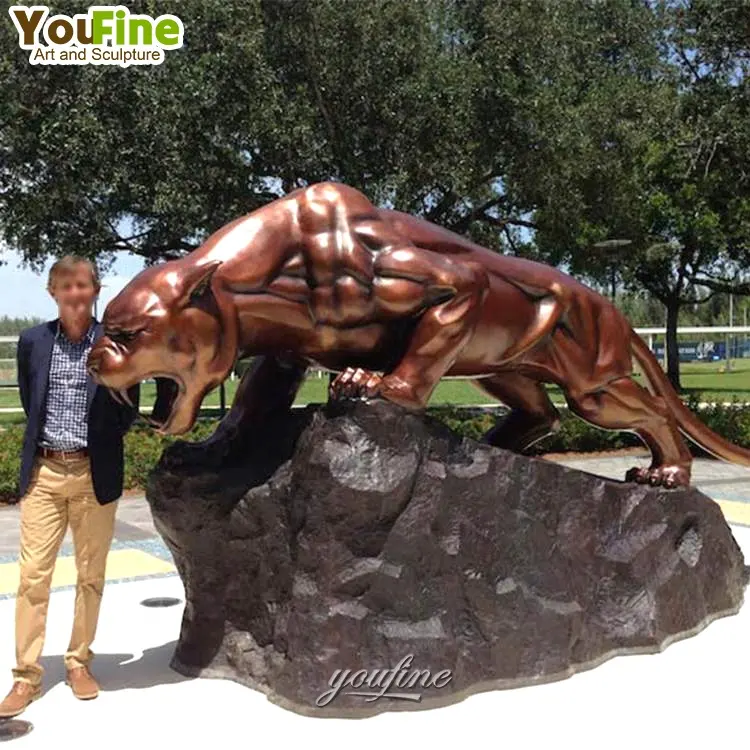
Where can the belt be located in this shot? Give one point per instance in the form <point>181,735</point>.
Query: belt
<point>62,455</point>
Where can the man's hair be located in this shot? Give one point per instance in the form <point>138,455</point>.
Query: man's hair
<point>69,263</point>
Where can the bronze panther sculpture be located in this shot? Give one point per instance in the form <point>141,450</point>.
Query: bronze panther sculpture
<point>393,304</point>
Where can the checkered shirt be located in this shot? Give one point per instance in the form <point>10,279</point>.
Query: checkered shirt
<point>66,416</point>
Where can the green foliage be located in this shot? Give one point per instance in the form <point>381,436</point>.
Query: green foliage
<point>578,436</point>
<point>574,434</point>
<point>731,422</point>
<point>466,421</point>
<point>151,159</point>
<point>13,326</point>
<point>541,128</point>
<point>143,446</point>
<point>11,444</point>
<point>489,117</point>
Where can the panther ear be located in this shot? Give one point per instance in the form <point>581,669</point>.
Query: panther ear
<point>197,282</point>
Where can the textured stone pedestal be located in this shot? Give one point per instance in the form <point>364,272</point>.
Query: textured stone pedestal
<point>355,536</point>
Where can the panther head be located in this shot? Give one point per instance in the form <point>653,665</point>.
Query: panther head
<point>167,324</point>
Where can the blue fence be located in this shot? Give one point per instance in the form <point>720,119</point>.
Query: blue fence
<point>707,351</point>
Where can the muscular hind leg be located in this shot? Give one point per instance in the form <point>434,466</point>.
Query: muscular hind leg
<point>624,405</point>
<point>532,415</point>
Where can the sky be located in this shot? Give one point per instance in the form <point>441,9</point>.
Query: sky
<point>23,292</point>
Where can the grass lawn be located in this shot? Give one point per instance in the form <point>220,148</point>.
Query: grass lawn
<point>711,378</point>
<point>707,379</point>
<point>459,392</point>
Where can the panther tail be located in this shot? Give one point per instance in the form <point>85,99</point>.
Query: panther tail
<point>689,424</point>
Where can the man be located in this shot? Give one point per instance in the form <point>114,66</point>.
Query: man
<point>71,475</point>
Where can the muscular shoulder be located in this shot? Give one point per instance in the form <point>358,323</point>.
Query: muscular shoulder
<point>326,204</point>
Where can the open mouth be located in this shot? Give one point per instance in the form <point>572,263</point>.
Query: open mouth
<point>168,390</point>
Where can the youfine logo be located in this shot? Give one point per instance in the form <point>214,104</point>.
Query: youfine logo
<point>104,35</point>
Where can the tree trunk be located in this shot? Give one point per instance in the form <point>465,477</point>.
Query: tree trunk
<point>673,349</point>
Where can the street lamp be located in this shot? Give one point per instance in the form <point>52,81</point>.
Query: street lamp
<point>613,248</point>
<point>729,335</point>
<point>96,300</point>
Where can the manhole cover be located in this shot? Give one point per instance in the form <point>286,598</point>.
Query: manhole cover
<point>12,729</point>
<point>161,601</point>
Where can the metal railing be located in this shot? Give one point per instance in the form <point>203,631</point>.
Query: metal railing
<point>649,333</point>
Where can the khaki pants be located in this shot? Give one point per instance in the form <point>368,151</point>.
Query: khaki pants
<point>61,493</point>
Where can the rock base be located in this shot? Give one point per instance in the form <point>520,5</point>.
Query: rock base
<point>359,537</point>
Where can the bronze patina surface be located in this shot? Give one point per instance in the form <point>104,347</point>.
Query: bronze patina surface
<point>392,303</point>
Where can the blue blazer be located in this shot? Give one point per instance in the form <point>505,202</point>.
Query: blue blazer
<point>108,421</point>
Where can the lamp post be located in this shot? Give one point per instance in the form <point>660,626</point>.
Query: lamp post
<point>96,300</point>
<point>613,248</point>
<point>729,335</point>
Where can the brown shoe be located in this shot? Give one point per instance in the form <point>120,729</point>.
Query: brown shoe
<point>84,686</point>
<point>18,699</point>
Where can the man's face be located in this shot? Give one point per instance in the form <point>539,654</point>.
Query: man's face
<point>74,292</point>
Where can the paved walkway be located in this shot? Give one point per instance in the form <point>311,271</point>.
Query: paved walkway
<point>692,696</point>
<point>137,550</point>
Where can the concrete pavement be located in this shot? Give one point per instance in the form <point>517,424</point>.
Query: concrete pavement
<point>137,550</point>
<point>693,695</point>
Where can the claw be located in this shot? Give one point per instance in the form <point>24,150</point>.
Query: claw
<point>355,383</point>
<point>670,477</point>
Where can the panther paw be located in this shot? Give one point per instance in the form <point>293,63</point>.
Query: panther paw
<point>660,476</point>
<point>356,382</point>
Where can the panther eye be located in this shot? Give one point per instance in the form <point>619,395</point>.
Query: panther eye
<point>121,336</point>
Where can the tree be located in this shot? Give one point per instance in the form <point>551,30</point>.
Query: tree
<point>99,159</point>
<point>568,80</point>
<point>697,170</point>
<point>539,128</point>
<point>641,133</point>
<point>151,159</point>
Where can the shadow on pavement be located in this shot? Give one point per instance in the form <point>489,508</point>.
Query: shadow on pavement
<point>121,671</point>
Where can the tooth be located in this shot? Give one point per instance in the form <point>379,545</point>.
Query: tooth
<point>126,398</point>
<point>115,395</point>
<point>152,420</point>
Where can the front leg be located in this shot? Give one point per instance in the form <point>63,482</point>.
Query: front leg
<point>452,293</point>
<point>267,389</point>
<point>447,296</point>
